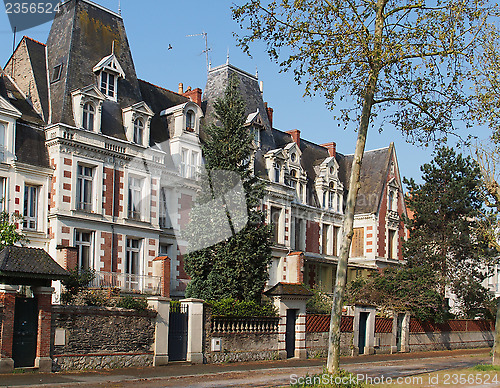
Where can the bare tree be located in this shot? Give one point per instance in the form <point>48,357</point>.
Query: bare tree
<point>400,62</point>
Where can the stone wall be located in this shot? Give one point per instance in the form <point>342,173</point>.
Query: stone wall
<point>317,344</point>
<point>101,337</point>
<point>237,346</point>
<point>451,340</point>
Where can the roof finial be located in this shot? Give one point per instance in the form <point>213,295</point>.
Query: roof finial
<point>256,72</point>
<point>119,7</point>
<point>113,47</point>
<point>227,60</point>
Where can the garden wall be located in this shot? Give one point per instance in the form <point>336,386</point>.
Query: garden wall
<point>454,334</point>
<point>101,337</point>
<point>317,331</point>
<point>239,339</point>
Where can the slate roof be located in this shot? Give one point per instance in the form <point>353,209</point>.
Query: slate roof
<point>290,289</point>
<point>374,170</point>
<point>81,36</point>
<point>30,263</point>
<point>36,52</point>
<point>30,146</point>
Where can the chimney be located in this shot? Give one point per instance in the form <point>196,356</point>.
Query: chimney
<point>194,95</point>
<point>295,133</point>
<point>181,88</point>
<point>270,112</point>
<point>331,147</point>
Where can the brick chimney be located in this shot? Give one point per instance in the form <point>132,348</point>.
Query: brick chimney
<point>194,95</point>
<point>295,133</point>
<point>181,88</point>
<point>270,112</point>
<point>331,147</point>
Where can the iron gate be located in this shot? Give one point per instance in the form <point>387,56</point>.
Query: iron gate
<point>178,333</point>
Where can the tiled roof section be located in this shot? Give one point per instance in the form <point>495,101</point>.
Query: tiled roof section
<point>374,170</point>
<point>29,262</point>
<point>80,37</point>
<point>159,99</point>
<point>291,289</point>
<point>8,90</point>
<point>30,146</point>
<point>37,55</point>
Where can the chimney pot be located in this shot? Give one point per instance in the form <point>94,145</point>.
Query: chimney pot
<point>270,112</point>
<point>295,133</point>
<point>331,147</point>
<point>181,88</point>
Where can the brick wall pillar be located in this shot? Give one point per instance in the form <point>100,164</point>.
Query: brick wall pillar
<point>7,307</point>
<point>161,267</point>
<point>70,257</point>
<point>44,296</point>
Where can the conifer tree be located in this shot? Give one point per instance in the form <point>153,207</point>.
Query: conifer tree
<point>237,265</point>
<point>444,233</point>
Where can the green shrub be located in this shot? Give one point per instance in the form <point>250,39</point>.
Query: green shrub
<point>320,302</point>
<point>246,308</point>
<point>130,302</point>
<point>175,306</point>
<point>78,279</point>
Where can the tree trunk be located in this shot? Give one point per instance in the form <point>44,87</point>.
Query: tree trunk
<point>333,361</point>
<point>496,346</point>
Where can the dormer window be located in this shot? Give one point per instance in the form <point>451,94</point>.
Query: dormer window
<point>88,116</point>
<point>331,195</point>
<point>108,84</point>
<point>189,120</point>
<point>277,172</point>
<point>293,157</point>
<point>138,131</point>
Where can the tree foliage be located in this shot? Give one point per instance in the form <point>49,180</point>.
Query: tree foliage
<point>444,232</point>
<point>237,266</point>
<point>400,289</point>
<point>8,230</point>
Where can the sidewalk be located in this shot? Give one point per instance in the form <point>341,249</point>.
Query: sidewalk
<point>251,374</point>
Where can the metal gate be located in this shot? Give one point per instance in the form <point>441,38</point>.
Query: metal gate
<point>25,332</point>
<point>291,317</point>
<point>178,333</point>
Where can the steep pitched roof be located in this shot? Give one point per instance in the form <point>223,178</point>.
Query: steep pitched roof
<point>81,36</point>
<point>374,170</point>
<point>37,55</point>
<point>30,263</point>
<point>30,146</point>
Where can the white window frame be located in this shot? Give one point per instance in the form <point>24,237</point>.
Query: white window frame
<point>164,218</point>
<point>3,194</point>
<point>110,91</point>
<point>31,221</point>
<point>3,136</point>
<point>80,243</point>
<point>88,117</point>
<point>81,188</point>
<point>139,131</point>
<point>190,120</point>
<point>135,189</point>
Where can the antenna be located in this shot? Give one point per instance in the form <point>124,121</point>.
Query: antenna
<point>207,49</point>
<point>119,7</point>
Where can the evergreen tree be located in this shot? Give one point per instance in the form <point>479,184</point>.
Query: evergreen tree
<point>237,265</point>
<point>444,233</point>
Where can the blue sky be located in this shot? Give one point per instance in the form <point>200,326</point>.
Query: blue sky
<point>154,25</point>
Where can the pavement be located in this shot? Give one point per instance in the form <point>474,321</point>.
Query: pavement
<point>256,374</point>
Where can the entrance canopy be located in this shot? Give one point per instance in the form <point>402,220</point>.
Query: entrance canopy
<point>29,266</point>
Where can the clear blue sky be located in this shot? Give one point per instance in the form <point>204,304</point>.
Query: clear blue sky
<point>154,25</point>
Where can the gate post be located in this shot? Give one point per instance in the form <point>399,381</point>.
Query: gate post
<point>43,361</point>
<point>195,330</point>
<point>7,307</point>
<point>162,307</point>
<point>405,334</point>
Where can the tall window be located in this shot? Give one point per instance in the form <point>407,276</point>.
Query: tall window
<point>358,242</point>
<point>164,217</point>
<point>275,221</point>
<point>3,195</point>
<point>189,120</point>
<point>391,245</point>
<point>184,162</point>
<point>88,116</point>
<point>193,166</point>
<point>108,84</point>
<point>391,200</point>
<point>132,264</point>
<point>339,202</point>
<point>138,131</point>
<point>30,207</point>
<point>134,197</point>
<point>335,240</point>
<point>83,242</point>
<point>326,239</point>
<point>3,127</point>
<point>277,172</point>
<point>331,195</point>
<point>85,176</point>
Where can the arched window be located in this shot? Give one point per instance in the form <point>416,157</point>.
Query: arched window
<point>88,116</point>
<point>391,200</point>
<point>189,120</point>
<point>331,195</point>
<point>138,131</point>
<point>277,172</point>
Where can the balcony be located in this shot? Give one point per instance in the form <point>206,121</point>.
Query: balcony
<point>128,283</point>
